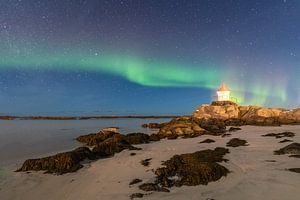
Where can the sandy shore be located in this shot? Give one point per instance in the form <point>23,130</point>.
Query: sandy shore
<point>251,177</point>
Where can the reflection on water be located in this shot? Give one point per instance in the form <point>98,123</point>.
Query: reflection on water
<point>22,139</point>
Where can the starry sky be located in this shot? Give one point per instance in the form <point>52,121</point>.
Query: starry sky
<point>138,57</point>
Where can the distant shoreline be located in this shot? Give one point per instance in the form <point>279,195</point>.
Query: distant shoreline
<point>85,117</point>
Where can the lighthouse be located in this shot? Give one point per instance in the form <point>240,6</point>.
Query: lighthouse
<point>223,93</point>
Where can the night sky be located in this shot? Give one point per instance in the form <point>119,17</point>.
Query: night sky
<point>140,57</point>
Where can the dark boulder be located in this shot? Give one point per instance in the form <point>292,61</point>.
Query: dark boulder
<point>285,140</point>
<point>212,125</point>
<point>146,162</point>
<point>293,148</point>
<point>297,170</point>
<point>181,127</point>
<point>154,137</point>
<point>135,181</point>
<point>280,135</point>
<point>96,138</point>
<point>233,129</point>
<point>295,156</point>
<point>191,169</point>
<point>207,141</point>
<point>110,146</point>
<point>172,136</point>
<point>236,142</point>
<point>60,163</point>
<point>137,138</point>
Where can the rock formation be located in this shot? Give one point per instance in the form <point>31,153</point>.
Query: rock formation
<point>104,143</point>
<point>188,127</point>
<point>96,138</point>
<point>189,169</point>
<point>280,135</point>
<point>293,148</point>
<point>196,168</point>
<point>207,141</point>
<point>181,127</point>
<point>236,142</point>
<point>60,163</point>
<point>233,114</point>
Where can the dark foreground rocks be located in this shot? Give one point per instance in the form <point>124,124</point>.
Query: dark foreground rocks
<point>146,162</point>
<point>189,169</point>
<point>207,141</point>
<point>188,127</point>
<point>60,163</point>
<point>295,156</point>
<point>236,142</point>
<point>285,140</point>
<point>94,139</point>
<point>293,148</point>
<point>103,144</point>
<point>135,181</point>
<point>181,127</point>
<point>280,135</point>
<point>111,146</point>
<point>233,129</point>
<point>297,170</point>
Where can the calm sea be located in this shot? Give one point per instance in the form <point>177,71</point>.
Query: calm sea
<point>23,139</point>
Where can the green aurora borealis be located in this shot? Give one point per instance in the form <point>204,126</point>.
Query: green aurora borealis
<point>258,91</point>
<point>146,57</point>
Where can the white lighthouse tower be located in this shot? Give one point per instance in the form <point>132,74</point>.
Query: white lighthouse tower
<point>223,93</point>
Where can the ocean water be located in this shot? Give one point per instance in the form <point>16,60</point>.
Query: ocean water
<point>23,139</point>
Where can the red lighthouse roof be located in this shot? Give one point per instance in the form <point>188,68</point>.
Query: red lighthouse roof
<point>223,87</point>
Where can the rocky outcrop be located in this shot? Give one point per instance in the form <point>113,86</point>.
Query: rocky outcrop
<point>105,143</point>
<point>181,127</point>
<point>280,135</point>
<point>293,148</point>
<point>135,181</point>
<point>146,162</point>
<point>285,140</point>
<point>235,115</point>
<point>297,170</point>
<point>192,169</point>
<point>236,142</point>
<point>213,126</point>
<point>60,163</point>
<point>207,141</point>
<point>110,146</point>
<point>221,111</point>
<point>96,138</point>
<point>189,169</point>
<point>233,129</point>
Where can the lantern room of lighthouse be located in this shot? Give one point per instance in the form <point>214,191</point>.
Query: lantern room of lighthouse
<point>223,93</point>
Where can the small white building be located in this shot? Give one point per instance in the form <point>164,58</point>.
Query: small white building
<point>223,93</point>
